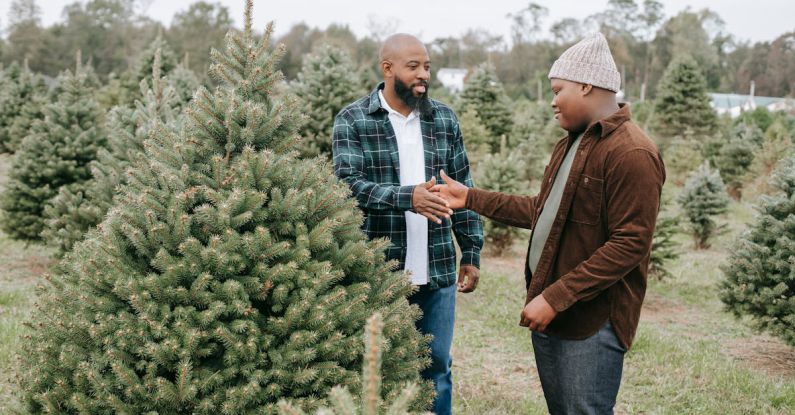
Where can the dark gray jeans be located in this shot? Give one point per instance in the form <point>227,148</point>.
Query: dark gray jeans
<point>580,376</point>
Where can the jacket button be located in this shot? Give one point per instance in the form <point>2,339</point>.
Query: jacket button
<point>586,180</point>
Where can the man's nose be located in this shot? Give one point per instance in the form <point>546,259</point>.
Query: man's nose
<point>424,74</point>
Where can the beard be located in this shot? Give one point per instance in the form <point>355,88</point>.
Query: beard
<point>421,103</point>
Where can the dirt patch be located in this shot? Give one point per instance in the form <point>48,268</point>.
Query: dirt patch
<point>763,353</point>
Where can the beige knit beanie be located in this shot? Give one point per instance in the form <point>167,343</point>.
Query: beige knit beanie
<point>588,62</point>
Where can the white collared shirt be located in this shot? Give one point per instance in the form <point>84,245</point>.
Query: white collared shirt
<point>412,172</point>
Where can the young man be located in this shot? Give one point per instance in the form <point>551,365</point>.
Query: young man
<point>389,147</point>
<point>592,222</point>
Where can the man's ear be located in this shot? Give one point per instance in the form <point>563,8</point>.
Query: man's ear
<point>386,68</point>
<point>586,89</point>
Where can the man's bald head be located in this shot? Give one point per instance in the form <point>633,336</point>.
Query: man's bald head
<point>399,45</point>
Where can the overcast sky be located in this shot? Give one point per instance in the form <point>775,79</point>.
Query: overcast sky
<point>755,20</point>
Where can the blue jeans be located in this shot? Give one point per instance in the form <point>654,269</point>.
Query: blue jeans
<point>438,319</point>
<point>580,376</point>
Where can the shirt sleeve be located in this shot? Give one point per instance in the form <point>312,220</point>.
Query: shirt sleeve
<point>348,161</point>
<point>467,226</point>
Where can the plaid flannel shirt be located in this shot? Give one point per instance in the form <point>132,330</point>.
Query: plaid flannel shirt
<point>366,158</point>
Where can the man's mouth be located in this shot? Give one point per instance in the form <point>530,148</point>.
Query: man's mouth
<point>557,115</point>
<point>420,88</point>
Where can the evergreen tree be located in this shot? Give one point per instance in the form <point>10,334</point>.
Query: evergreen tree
<point>776,146</point>
<point>22,96</point>
<point>369,401</point>
<point>56,153</point>
<point>477,138</point>
<point>682,101</point>
<point>501,173</point>
<point>124,90</point>
<point>736,156</point>
<point>328,81</point>
<point>682,156</point>
<point>759,270</point>
<point>484,92</point>
<point>229,274</point>
<point>703,197</point>
<point>73,211</point>
<point>663,246</point>
<point>184,82</point>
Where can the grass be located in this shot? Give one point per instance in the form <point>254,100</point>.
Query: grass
<point>689,356</point>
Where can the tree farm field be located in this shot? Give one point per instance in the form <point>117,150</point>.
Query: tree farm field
<point>690,356</point>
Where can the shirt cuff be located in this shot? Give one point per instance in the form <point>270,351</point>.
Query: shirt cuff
<point>403,197</point>
<point>559,297</point>
<point>471,256</point>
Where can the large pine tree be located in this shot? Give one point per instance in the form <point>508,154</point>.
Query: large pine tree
<point>484,92</point>
<point>759,272</point>
<point>229,275</point>
<point>682,102</point>
<point>328,81</point>
<point>56,153</point>
<point>74,210</point>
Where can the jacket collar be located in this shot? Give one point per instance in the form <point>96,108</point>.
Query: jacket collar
<point>609,124</point>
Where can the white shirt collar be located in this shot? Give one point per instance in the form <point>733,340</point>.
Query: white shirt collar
<point>389,109</point>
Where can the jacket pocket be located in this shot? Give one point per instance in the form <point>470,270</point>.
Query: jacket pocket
<point>587,204</point>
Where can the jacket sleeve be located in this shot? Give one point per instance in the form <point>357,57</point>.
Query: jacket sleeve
<point>467,226</point>
<point>512,210</point>
<point>632,188</point>
<point>348,160</point>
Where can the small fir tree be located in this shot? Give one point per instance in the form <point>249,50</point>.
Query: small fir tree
<point>736,155</point>
<point>73,211</point>
<point>228,276</point>
<point>682,101</point>
<point>758,274</point>
<point>55,154</point>
<point>501,173</point>
<point>703,197</point>
<point>328,81</point>
<point>23,94</point>
<point>484,92</point>
<point>663,247</point>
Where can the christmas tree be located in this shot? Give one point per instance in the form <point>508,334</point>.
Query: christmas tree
<point>55,154</point>
<point>663,246</point>
<point>703,197</point>
<point>229,274</point>
<point>736,156</point>
<point>759,270</point>
<point>125,89</point>
<point>484,92</point>
<point>23,94</point>
<point>501,173</point>
<point>328,81</point>
<point>476,137</point>
<point>682,101</point>
<point>73,211</point>
<point>369,401</point>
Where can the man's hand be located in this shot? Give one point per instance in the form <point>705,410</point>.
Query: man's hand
<point>454,192</point>
<point>537,314</point>
<point>428,204</point>
<point>468,277</point>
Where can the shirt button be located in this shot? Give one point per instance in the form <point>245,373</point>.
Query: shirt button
<point>586,180</point>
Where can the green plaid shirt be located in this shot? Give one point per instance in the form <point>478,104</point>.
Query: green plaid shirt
<point>366,158</point>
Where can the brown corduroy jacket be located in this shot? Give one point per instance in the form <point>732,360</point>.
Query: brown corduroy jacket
<point>594,265</point>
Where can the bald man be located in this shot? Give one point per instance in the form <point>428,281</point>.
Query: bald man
<point>389,147</point>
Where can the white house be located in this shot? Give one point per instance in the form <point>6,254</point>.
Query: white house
<point>452,78</point>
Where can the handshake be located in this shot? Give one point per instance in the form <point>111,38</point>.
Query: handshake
<point>437,201</point>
